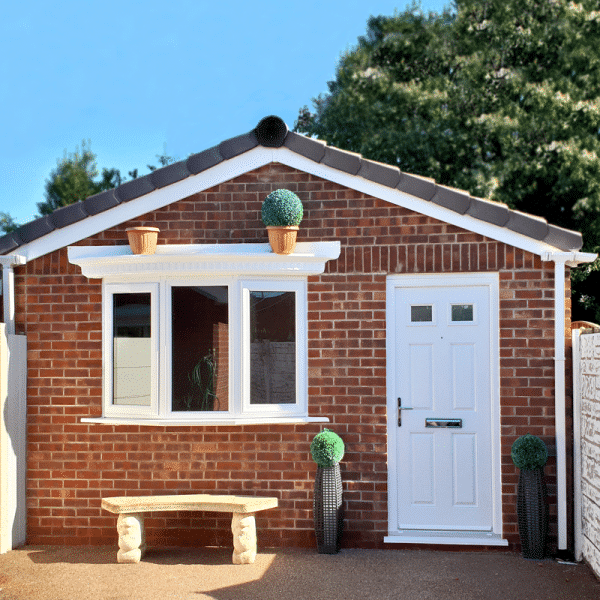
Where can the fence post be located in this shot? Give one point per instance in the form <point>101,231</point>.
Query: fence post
<point>576,338</point>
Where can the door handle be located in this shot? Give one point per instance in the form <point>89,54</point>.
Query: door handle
<point>400,409</point>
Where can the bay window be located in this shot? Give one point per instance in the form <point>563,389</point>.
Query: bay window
<point>204,334</point>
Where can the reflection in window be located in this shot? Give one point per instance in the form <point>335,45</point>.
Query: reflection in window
<point>272,347</point>
<point>200,348</point>
<point>462,312</point>
<point>421,313</point>
<point>132,355</point>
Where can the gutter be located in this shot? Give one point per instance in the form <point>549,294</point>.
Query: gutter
<point>560,259</point>
<point>8,263</point>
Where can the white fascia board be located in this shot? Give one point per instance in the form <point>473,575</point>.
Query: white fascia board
<point>224,171</point>
<point>254,159</point>
<point>571,259</point>
<point>424,207</point>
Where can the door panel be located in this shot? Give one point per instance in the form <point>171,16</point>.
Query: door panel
<point>442,372</point>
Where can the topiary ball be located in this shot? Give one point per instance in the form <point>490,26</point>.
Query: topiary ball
<point>327,448</point>
<point>282,208</point>
<point>529,452</point>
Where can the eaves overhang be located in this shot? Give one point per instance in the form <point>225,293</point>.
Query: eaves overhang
<point>271,141</point>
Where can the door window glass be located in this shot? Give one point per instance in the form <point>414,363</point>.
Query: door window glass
<point>462,312</point>
<point>421,313</point>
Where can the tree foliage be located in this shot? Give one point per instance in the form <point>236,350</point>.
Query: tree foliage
<point>497,97</point>
<point>76,177</point>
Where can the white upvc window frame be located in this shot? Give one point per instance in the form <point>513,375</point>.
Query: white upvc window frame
<point>128,410</point>
<point>299,287</point>
<point>239,406</point>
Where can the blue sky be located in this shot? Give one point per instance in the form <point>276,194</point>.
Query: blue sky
<point>137,79</point>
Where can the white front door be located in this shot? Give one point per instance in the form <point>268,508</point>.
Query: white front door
<point>440,408</point>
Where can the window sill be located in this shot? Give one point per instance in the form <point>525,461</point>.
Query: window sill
<point>254,420</point>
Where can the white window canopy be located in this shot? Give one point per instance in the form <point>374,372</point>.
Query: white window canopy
<point>100,262</point>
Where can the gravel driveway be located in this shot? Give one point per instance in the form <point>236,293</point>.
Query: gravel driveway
<point>81,573</point>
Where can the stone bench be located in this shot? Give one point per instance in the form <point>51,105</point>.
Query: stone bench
<point>131,509</point>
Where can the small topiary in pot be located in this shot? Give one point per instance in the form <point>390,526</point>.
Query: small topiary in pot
<point>327,449</point>
<point>529,454</point>
<point>282,213</point>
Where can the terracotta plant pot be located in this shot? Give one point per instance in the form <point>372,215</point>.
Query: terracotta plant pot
<point>283,239</point>
<point>143,239</point>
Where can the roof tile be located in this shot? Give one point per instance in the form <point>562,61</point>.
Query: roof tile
<point>273,132</point>
<point>563,238</point>
<point>379,173</point>
<point>100,202</point>
<point>342,160</point>
<point>455,200</point>
<point>170,174</point>
<point>529,225</point>
<point>135,188</point>
<point>488,211</point>
<point>197,163</point>
<point>305,146</point>
<point>421,187</point>
<point>237,145</point>
<point>67,215</point>
<point>36,229</point>
<point>9,242</point>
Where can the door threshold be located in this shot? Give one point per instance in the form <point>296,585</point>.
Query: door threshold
<point>449,538</point>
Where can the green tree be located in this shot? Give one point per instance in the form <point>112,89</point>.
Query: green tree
<point>76,177</point>
<point>7,223</point>
<point>497,97</point>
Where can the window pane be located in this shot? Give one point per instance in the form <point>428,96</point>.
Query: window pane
<point>421,313</point>
<point>200,342</point>
<point>272,347</point>
<point>462,312</point>
<point>132,370</point>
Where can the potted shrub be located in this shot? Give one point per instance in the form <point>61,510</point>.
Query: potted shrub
<point>281,213</point>
<point>327,449</point>
<point>529,454</point>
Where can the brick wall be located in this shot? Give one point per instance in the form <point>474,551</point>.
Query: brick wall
<point>71,465</point>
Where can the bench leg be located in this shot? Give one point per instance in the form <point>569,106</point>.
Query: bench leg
<point>132,539</point>
<point>243,526</point>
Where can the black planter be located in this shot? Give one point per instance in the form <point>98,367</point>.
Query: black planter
<point>532,513</point>
<point>328,509</point>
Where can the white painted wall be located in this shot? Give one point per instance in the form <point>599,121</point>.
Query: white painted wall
<point>586,378</point>
<point>13,396</point>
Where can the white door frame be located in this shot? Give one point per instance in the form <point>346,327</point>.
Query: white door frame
<point>491,281</point>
